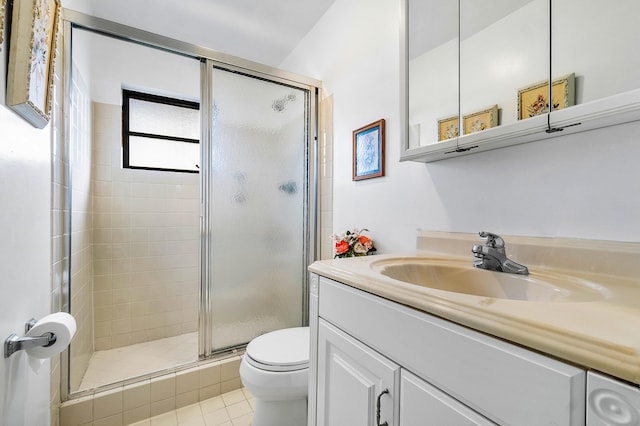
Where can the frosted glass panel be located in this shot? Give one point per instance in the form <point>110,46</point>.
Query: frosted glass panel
<point>161,119</point>
<point>163,154</point>
<point>258,207</point>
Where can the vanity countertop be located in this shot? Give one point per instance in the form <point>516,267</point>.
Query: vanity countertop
<point>599,334</point>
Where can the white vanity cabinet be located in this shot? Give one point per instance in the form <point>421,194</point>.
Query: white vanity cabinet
<point>359,386</point>
<point>436,372</point>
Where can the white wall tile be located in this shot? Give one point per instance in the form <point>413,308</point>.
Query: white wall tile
<point>146,237</point>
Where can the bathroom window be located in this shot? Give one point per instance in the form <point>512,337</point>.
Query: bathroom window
<point>160,133</point>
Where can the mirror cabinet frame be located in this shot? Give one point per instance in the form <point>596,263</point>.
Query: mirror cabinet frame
<point>607,111</point>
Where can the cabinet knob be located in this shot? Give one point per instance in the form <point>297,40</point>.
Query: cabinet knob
<point>386,391</point>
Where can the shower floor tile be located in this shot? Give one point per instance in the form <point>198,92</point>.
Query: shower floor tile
<point>234,408</point>
<point>123,363</point>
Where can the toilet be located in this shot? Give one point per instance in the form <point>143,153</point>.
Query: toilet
<point>275,370</point>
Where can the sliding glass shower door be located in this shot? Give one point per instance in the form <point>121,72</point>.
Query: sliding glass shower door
<point>211,249</point>
<point>258,203</point>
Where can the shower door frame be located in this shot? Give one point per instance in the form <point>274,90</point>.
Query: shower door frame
<point>311,222</point>
<point>209,59</point>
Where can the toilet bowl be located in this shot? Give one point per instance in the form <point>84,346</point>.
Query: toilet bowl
<point>275,370</point>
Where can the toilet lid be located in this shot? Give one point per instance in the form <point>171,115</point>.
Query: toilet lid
<point>280,350</point>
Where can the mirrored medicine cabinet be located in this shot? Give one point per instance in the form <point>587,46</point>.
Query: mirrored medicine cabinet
<point>478,75</point>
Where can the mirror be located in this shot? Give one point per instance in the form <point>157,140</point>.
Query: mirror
<point>508,51</point>
<point>598,42</point>
<point>432,71</point>
<point>504,48</point>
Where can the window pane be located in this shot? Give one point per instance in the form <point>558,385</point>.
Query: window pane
<point>162,119</point>
<point>163,154</point>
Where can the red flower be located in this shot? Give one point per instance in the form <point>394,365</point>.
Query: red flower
<point>342,247</point>
<point>366,241</point>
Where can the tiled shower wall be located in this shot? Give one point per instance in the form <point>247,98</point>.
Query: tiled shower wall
<point>75,276</point>
<point>81,287</point>
<point>146,242</point>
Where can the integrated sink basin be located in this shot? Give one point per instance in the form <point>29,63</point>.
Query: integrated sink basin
<point>461,277</point>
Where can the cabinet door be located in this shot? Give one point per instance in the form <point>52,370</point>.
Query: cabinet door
<point>506,67</point>
<point>432,71</point>
<point>352,379</point>
<point>423,404</point>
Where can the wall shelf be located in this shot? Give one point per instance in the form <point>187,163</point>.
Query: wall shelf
<point>605,112</point>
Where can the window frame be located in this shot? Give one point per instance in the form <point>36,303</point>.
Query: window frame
<point>126,133</point>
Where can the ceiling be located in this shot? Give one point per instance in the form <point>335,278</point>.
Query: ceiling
<point>264,31</point>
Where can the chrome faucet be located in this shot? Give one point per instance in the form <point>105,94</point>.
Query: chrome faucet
<point>492,256</point>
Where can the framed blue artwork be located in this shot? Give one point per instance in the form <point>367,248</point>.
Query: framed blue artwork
<point>368,151</point>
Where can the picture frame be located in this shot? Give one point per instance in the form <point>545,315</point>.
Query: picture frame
<point>479,121</point>
<point>448,128</point>
<point>2,8</point>
<point>533,100</point>
<point>34,32</point>
<point>368,151</point>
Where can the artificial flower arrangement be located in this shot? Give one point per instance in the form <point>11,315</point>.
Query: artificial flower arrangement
<point>353,243</point>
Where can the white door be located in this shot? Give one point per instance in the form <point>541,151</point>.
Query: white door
<point>422,404</point>
<point>355,382</point>
<point>25,261</point>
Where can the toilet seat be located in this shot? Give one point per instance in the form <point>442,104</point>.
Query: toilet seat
<point>280,350</point>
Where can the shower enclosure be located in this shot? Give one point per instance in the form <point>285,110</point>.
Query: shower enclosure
<point>173,262</point>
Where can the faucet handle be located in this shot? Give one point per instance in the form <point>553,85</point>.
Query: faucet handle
<point>493,240</point>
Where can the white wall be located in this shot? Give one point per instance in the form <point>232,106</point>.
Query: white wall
<point>582,185</point>
<point>25,258</point>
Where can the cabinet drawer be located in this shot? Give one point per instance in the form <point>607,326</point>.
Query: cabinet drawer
<point>504,382</point>
<point>423,404</point>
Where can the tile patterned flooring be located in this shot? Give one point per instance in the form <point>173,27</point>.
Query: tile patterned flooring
<point>139,359</point>
<point>233,408</point>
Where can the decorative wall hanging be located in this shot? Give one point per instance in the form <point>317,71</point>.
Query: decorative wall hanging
<point>479,121</point>
<point>533,100</point>
<point>368,151</point>
<point>31,57</point>
<point>2,5</point>
<point>448,128</point>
